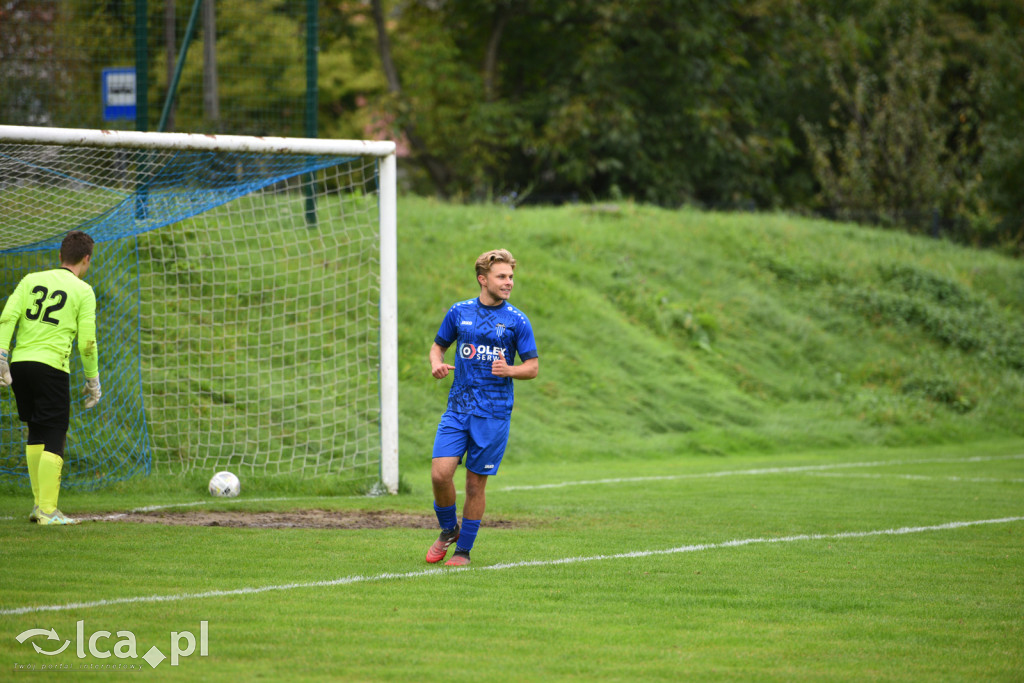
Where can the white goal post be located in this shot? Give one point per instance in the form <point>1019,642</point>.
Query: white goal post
<point>248,315</point>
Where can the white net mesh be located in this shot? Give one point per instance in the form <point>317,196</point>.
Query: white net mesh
<point>237,307</point>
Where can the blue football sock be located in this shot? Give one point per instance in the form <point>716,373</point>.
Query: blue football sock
<point>447,517</point>
<point>467,536</point>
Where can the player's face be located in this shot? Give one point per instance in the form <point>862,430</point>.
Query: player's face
<point>496,285</point>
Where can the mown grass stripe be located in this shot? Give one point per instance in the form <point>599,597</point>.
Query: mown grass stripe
<point>387,576</point>
<point>760,471</point>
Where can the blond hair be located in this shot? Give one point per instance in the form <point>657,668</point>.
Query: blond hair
<point>489,258</point>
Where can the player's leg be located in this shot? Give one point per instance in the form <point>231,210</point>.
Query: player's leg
<point>476,495</point>
<point>488,439</point>
<point>442,472</point>
<point>51,464</point>
<point>449,446</point>
<point>50,420</point>
<point>442,479</point>
<point>50,467</point>
<point>472,515</point>
<point>24,384</point>
<point>33,454</point>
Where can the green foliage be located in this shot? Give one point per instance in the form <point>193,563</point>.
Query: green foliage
<point>1001,174</point>
<point>52,55</point>
<point>596,99</point>
<point>889,158</point>
<point>349,73</point>
<point>896,112</point>
<point>260,70</point>
<point>944,310</point>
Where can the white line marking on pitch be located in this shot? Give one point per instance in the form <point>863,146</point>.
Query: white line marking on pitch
<point>761,470</point>
<point>619,480</point>
<point>347,580</point>
<point>196,503</point>
<point>914,477</point>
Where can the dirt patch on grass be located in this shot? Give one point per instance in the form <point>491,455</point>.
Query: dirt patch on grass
<point>291,519</point>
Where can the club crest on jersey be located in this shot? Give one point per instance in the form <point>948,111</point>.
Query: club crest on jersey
<point>500,329</point>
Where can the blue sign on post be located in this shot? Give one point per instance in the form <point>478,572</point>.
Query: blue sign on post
<point>119,93</point>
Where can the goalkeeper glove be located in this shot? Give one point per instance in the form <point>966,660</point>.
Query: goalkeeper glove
<point>92,391</point>
<point>5,368</point>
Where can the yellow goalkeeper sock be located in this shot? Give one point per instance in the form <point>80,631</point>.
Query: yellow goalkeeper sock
<point>32,454</point>
<point>50,465</point>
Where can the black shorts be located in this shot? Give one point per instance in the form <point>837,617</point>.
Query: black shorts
<point>43,394</point>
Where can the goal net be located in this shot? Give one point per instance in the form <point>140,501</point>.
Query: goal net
<point>245,290</point>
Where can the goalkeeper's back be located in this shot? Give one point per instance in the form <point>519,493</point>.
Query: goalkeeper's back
<point>50,308</point>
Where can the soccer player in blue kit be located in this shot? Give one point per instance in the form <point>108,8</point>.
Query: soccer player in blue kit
<point>487,333</point>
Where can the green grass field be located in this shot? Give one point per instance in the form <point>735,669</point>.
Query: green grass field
<point>760,448</point>
<point>867,565</point>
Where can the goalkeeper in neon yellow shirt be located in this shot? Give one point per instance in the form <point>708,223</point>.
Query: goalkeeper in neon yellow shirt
<point>49,309</point>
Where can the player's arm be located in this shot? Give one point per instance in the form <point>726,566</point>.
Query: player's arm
<point>528,369</point>
<point>530,365</point>
<point>438,368</point>
<point>11,315</point>
<point>88,351</point>
<point>87,336</point>
<point>8,321</point>
<point>446,334</point>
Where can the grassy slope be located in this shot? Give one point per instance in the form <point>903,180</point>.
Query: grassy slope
<point>681,332</point>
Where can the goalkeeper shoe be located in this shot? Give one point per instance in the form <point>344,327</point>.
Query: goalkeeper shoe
<point>55,518</point>
<point>460,558</point>
<point>440,547</point>
<point>34,515</point>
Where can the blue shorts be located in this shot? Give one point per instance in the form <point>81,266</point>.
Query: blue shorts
<point>481,439</point>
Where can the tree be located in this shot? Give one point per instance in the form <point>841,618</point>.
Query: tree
<point>434,165</point>
<point>665,101</point>
<point>51,58</point>
<point>925,130</point>
<point>889,159</point>
<point>1000,202</point>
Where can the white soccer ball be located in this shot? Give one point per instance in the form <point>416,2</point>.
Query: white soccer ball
<point>225,485</point>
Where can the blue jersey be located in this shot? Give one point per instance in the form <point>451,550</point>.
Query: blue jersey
<point>479,332</point>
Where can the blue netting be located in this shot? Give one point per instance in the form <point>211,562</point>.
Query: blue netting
<point>186,185</point>
<point>111,442</point>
